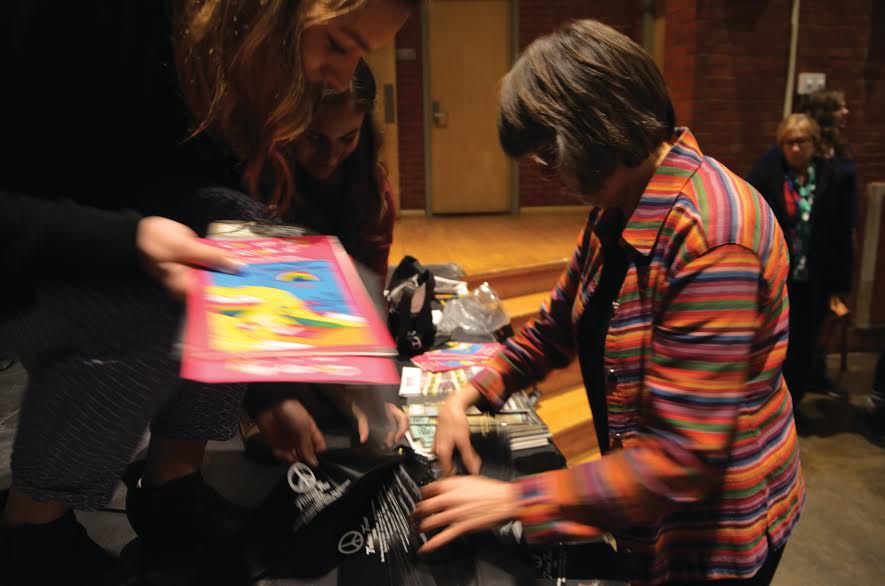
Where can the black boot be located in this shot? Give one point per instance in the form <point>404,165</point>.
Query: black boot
<point>50,554</point>
<point>183,520</point>
<point>819,378</point>
<point>874,415</point>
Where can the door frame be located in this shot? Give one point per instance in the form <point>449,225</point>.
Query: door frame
<point>428,114</point>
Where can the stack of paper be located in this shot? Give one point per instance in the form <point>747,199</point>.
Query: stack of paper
<point>516,419</point>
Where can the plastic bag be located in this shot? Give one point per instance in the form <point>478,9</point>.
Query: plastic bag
<point>478,313</point>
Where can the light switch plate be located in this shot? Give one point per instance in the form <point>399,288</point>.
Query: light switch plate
<point>811,82</point>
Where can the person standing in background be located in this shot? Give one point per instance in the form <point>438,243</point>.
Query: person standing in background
<point>807,194</point>
<point>830,110</point>
<point>875,406</point>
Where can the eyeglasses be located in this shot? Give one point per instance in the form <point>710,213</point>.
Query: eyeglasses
<point>547,156</point>
<point>797,142</point>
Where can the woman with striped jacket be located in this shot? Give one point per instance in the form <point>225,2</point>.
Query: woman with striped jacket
<point>675,304</point>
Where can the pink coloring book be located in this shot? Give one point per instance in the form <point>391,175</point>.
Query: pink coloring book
<point>297,312</point>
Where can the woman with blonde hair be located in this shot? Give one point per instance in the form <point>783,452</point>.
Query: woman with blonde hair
<point>192,107</point>
<point>805,190</point>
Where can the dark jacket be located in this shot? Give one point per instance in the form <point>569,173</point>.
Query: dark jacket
<point>830,254</point>
<point>92,127</point>
<point>364,230</point>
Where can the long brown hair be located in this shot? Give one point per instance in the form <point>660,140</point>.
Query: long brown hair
<point>822,107</point>
<point>359,211</point>
<point>240,70</point>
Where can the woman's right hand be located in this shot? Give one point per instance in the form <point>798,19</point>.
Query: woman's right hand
<point>453,432</point>
<point>170,248</point>
<point>291,432</point>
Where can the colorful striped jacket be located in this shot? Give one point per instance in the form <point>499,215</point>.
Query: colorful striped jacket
<point>708,479</point>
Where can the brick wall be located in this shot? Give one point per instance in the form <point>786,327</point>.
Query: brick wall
<point>846,40</point>
<point>726,66</point>
<point>410,116</point>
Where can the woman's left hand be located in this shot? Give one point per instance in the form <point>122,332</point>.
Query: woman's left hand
<point>397,422</point>
<point>464,504</point>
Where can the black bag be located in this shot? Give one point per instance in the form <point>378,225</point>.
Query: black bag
<point>409,316</point>
<point>300,530</point>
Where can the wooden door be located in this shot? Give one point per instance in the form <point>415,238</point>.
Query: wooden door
<point>383,64</point>
<point>470,51</point>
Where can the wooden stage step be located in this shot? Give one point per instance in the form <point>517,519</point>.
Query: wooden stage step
<point>562,380</point>
<point>519,281</point>
<point>523,308</point>
<point>568,416</point>
<point>563,404</point>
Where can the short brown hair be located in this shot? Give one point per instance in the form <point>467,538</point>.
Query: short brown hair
<point>589,93</point>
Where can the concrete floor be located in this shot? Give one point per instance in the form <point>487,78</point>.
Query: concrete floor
<point>841,536</point>
<point>838,541</point>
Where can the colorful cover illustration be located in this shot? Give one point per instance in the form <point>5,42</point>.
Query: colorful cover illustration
<point>297,312</point>
<point>457,355</point>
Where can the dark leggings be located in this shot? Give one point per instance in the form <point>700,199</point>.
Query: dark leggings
<point>808,307</point>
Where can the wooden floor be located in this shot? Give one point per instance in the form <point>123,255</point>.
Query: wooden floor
<point>486,243</point>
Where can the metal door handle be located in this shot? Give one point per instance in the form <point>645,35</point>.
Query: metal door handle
<point>440,118</point>
<point>389,104</point>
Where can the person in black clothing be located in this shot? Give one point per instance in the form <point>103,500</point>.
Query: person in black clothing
<point>830,110</point>
<point>127,127</point>
<point>875,404</point>
<point>808,196</point>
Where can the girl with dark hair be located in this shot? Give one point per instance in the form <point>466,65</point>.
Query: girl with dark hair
<point>337,168</point>
<point>341,190</point>
<point>674,303</point>
<point>178,98</point>
<point>830,110</point>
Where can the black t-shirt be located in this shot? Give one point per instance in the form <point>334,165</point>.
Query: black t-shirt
<point>593,326</point>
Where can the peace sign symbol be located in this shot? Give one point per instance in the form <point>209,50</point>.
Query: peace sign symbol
<point>301,478</point>
<point>351,542</point>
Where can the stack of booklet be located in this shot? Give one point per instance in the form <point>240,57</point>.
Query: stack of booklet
<point>426,391</point>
